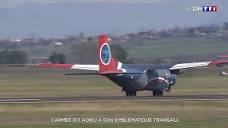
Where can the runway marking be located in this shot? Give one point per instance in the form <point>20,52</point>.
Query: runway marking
<point>8,100</point>
<point>37,101</point>
<point>97,101</point>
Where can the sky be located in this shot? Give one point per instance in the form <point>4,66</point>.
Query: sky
<point>13,3</point>
<point>61,18</point>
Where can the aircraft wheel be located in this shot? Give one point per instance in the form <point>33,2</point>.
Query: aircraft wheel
<point>130,93</point>
<point>154,93</point>
<point>158,93</point>
<point>127,93</point>
<point>134,93</point>
<point>161,93</point>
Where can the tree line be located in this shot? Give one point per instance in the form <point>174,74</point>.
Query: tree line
<point>13,56</point>
<point>86,52</point>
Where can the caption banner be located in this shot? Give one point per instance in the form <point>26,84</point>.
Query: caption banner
<point>112,120</point>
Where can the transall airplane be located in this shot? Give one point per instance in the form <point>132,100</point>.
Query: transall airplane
<point>131,77</point>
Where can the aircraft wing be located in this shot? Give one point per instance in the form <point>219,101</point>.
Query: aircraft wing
<point>190,65</point>
<point>96,67</point>
<point>85,67</point>
<point>70,66</point>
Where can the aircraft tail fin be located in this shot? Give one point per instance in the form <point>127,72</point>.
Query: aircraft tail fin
<point>107,63</point>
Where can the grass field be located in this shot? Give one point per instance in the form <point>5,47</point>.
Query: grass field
<point>159,48</point>
<point>179,47</point>
<point>189,114</point>
<point>33,82</point>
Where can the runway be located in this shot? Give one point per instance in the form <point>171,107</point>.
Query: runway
<point>91,99</point>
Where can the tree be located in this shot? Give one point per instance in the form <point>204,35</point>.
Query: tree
<point>86,52</point>
<point>13,56</point>
<point>119,52</point>
<point>57,58</point>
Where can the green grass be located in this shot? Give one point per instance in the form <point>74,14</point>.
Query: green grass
<point>190,114</point>
<point>32,82</point>
<point>179,47</point>
<point>162,47</point>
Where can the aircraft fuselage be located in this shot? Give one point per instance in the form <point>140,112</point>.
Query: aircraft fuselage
<point>156,78</point>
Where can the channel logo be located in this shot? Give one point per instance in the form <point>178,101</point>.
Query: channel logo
<point>202,9</point>
<point>209,8</point>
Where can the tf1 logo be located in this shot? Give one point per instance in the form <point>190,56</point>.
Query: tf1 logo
<point>203,9</point>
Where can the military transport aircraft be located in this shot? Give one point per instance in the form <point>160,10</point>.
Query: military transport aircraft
<point>131,77</point>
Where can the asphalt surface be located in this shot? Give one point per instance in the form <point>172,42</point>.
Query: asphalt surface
<point>114,99</point>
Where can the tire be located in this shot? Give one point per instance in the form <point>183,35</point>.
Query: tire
<point>154,93</point>
<point>161,93</point>
<point>130,93</point>
<point>127,93</point>
<point>135,93</point>
<point>158,93</point>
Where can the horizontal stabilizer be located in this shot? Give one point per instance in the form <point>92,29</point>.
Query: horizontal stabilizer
<point>81,74</point>
<point>69,66</point>
<point>85,67</point>
<point>48,65</point>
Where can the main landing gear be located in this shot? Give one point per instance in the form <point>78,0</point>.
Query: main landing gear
<point>130,93</point>
<point>155,93</point>
<point>158,93</point>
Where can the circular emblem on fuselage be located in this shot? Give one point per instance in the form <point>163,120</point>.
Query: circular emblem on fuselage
<point>105,54</point>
